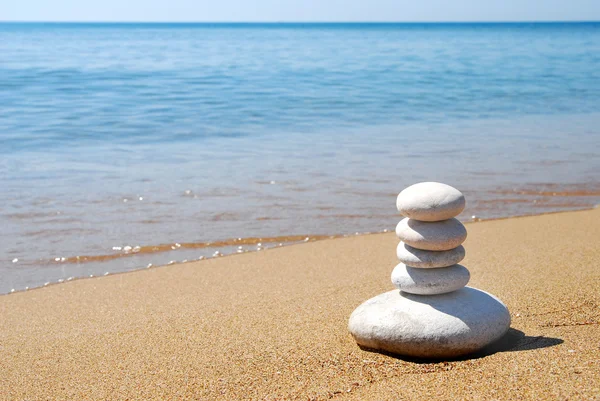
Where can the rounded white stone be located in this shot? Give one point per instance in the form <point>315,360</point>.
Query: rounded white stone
<point>431,236</point>
<point>425,259</point>
<point>439,326</point>
<point>430,281</point>
<point>430,201</point>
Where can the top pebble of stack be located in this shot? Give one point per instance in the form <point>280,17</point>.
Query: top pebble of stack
<point>430,201</point>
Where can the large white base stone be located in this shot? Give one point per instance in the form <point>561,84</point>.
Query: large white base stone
<point>431,326</point>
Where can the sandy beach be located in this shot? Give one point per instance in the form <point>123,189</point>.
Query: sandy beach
<point>272,325</point>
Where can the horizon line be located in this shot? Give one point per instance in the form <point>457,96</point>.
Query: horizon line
<point>300,22</point>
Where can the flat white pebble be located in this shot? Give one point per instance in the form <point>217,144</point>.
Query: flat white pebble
<point>430,281</point>
<point>440,326</point>
<point>432,236</point>
<point>429,259</point>
<point>430,201</point>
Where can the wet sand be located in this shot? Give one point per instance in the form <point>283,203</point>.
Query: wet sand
<point>272,324</point>
<point>50,242</point>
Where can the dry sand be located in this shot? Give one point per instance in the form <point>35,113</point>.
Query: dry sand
<point>272,325</point>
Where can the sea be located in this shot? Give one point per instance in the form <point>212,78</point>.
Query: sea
<point>129,146</point>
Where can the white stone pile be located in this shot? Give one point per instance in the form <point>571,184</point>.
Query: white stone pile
<point>431,239</point>
<point>433,315</point>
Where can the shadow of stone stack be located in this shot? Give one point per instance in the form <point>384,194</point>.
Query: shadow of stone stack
<point>433,315</point>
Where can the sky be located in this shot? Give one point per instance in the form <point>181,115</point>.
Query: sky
<point>298,10</point>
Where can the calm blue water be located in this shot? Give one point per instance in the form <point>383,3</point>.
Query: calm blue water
<point>115,135</point>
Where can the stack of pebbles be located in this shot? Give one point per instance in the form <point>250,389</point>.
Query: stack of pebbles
<point>431,239</point>
<point>433,315</point>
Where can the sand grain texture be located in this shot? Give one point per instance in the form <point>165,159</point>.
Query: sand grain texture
<point>272,325</point>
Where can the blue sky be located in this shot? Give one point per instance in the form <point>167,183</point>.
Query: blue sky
<point>298,10</point>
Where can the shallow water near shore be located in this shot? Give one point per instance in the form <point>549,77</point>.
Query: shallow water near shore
<point>128,145</point>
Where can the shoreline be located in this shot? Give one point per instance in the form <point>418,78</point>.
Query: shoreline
<point>273,325</point>
<point>281,241</point>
